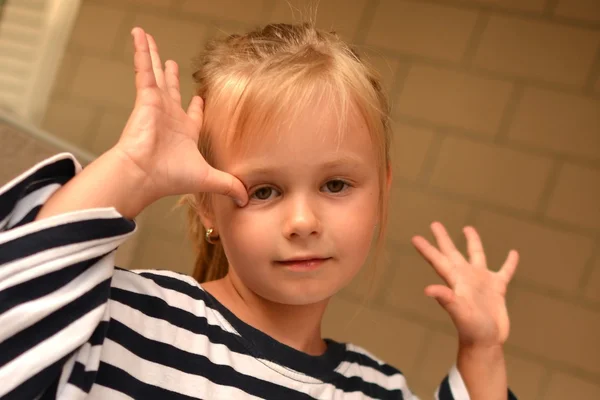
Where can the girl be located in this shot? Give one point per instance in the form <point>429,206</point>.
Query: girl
<point>288,191</point>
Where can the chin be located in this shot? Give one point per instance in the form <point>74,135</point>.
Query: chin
<point>299,293</point>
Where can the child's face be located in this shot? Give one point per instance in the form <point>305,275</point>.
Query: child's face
<point>312,198</point>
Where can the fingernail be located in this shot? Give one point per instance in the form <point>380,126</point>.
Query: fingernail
<point>239,203</point>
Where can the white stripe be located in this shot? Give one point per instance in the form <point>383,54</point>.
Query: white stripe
<point>457,385</point>
<point>42,263</point>
<point>219,354</point>
<point>166,377</point>
<point>49,351</point>
<point>72,392</point>
<point>135,283</point>
<point>371,375</point>
<point>31,201</point>
<point>60,219</point>
<point>26,314</point>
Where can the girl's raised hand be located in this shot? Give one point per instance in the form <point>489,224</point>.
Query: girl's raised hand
<point>160,140</point>
<point>475,296</point>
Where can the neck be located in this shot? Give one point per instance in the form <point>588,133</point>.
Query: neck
<point>297,326</point>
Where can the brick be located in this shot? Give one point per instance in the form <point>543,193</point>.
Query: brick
<point>409,149</point>
<point>592,288</point>
<point>174,223</point>
<point>177,40</point>
<point>523,5</point>
<point>497,175</point>
<point>348,322</point>
<point>159,251</point>
<point>412,212</point>
<point>587,10</point>
<point>96,28</point>
<point>109,130</point>
<point>338,15</point>
<point>386,67</point>
<point>555,330</point>
<point>69,121</point>
<point>563,386</point>
<point>240,10</point>
<point>104,82</point>
<point>65,74</point>
<point>524,376</point>
<point>438,358</point>
<point>576,197</point>
<point>543,259</point>
<point>416,28</point>
<point>135,4</point>
<point>544,117</point>
<point>537,50</point>
<point>455,99</point>
<point>411,274</point>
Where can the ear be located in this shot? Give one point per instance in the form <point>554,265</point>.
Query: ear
<point>206,217</point>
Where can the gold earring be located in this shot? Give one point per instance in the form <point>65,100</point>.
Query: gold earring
<point>209,239</point>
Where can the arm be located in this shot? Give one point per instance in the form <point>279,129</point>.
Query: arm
<point>483,371</point>
<point>55,276</point>
<point>475,301</point>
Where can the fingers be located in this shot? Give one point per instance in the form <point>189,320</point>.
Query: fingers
<point>507,271</point>
<point>142,61</point>
<point>474,247</point>
<point>156,63</point>
<point>443,294</point>
<point>445,243</point>
<point>440,263</point>
<point>196,110</point>
<point>172,80</point>
<point>226,184</point>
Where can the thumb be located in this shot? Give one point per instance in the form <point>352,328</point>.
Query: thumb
<point>443,294</point>
<point>220,182</point>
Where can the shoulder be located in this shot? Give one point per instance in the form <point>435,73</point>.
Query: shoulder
<point>361,363</point>
<point>159,288</point>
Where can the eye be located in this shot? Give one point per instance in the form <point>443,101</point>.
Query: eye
<point>263,193</point>
<point>336,185</point>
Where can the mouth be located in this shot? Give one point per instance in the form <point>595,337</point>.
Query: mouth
<point>306,264</point>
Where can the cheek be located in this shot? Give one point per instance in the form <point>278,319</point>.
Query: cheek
<point>245,232</point>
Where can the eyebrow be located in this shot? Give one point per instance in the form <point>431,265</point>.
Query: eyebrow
<point>266,169</point>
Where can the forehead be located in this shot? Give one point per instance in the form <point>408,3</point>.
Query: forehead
<point>309,137</point>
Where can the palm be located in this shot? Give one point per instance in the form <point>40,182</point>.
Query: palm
<point>475,296</point>
<point>160,138</point>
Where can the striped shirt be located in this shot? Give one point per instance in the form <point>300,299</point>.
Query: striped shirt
<point>75,326</point>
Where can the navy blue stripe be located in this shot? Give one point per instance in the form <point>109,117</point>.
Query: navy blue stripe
<point>62,235</point>
<point>119,380</point>
<point>42,285</point>
<point>55,172</point>
<point>445,393</point>
<point>321,367</point>
<point>29,217</point>
<point>366,361</point>
<point>99,334</point>
<point>44,382</point>
<point>53,323</point>
<point>195,364</point>
<point>157,308</point>
<point>81,378</point>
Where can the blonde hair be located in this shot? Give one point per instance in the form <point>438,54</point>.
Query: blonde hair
<point>265,76</point>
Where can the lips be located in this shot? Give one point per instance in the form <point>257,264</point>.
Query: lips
<point>305,264</point>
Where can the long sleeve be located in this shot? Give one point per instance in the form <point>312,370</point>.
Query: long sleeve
<point>55,277</point>
<point>453,388</point>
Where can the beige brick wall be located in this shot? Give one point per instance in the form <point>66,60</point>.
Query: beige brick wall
<point>496,109</point>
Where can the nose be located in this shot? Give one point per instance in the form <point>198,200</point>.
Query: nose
<point>301,220</point>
